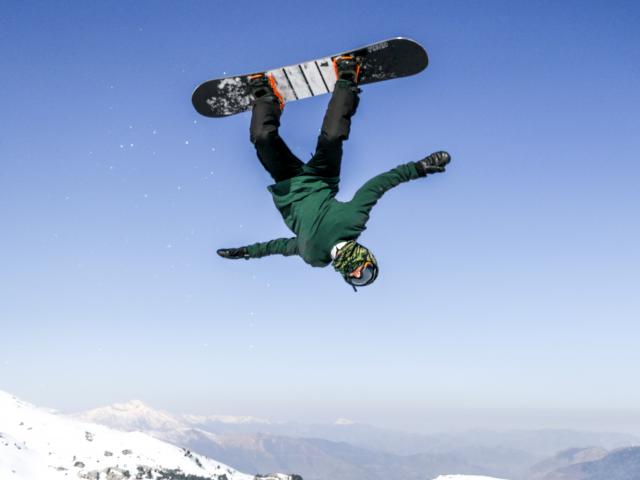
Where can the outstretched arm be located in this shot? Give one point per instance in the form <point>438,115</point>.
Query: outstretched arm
<point>369,194</point>
<point>279,246</point>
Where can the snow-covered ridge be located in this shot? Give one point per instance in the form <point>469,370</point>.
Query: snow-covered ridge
<point>36,444</point>
<point>136,415</point>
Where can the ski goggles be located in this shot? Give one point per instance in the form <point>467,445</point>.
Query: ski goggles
<point>367,275</point>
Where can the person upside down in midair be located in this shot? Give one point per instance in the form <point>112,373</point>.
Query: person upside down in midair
<point>326,229</point>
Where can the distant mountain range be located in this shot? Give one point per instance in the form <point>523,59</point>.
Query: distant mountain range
<point>350,451</point>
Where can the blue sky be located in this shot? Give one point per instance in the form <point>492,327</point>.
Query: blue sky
<point>509,285</point>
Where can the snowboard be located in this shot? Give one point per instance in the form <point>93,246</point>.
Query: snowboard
<point>392,58</point>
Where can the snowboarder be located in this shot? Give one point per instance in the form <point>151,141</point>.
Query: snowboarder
<point>326,229</point>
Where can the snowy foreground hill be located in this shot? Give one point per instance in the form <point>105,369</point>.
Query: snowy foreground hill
<point>38,445</point>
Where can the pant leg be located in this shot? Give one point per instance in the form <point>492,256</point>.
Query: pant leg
<point>335,130</point>
<point>272,152</point>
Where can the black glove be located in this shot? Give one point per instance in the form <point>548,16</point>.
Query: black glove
<point>434,163</point>
<point>234,253</point>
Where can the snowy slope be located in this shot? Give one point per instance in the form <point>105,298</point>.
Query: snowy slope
<point>38,445</point>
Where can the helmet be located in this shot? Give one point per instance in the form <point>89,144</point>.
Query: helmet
<point>353,256</point>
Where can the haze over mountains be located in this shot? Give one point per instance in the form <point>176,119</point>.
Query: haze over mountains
<point>348,451</point>
<point>37,444</point>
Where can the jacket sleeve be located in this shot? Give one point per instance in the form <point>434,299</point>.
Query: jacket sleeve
<point>369,194</point>
<point>279,246</point>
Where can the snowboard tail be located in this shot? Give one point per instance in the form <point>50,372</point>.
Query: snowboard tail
<point>393,58</point>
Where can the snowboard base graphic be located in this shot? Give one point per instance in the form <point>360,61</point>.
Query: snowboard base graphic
<point>393,58</point>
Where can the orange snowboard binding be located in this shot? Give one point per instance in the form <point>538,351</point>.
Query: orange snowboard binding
<point>347,68</point>
<point>262,84</point>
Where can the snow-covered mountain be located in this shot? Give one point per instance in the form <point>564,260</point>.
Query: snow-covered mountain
<point>136,415</point>
<point>36,444</point>
<point>132,416</point>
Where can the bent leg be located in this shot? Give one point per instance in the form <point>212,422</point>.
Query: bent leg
<point>335,130</point>
<point>272,152</point>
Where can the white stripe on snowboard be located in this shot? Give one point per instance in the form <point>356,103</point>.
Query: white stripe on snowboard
<point>298,82</point>
<point>318,78</point>
<point>283,85</point>
<point>326,68</point>
<point>314,77</point>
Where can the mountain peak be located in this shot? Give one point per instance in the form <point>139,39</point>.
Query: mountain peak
<point>132,405</point>
<point>344,421</point>
<point>131,416</point>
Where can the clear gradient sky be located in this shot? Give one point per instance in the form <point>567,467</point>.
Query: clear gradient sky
<point>509,287</point>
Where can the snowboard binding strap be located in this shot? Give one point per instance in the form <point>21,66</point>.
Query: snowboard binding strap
<point>347,68</point>
<point>264,85</point>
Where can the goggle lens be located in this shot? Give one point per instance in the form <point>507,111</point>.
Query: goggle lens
<point>367,275</point>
